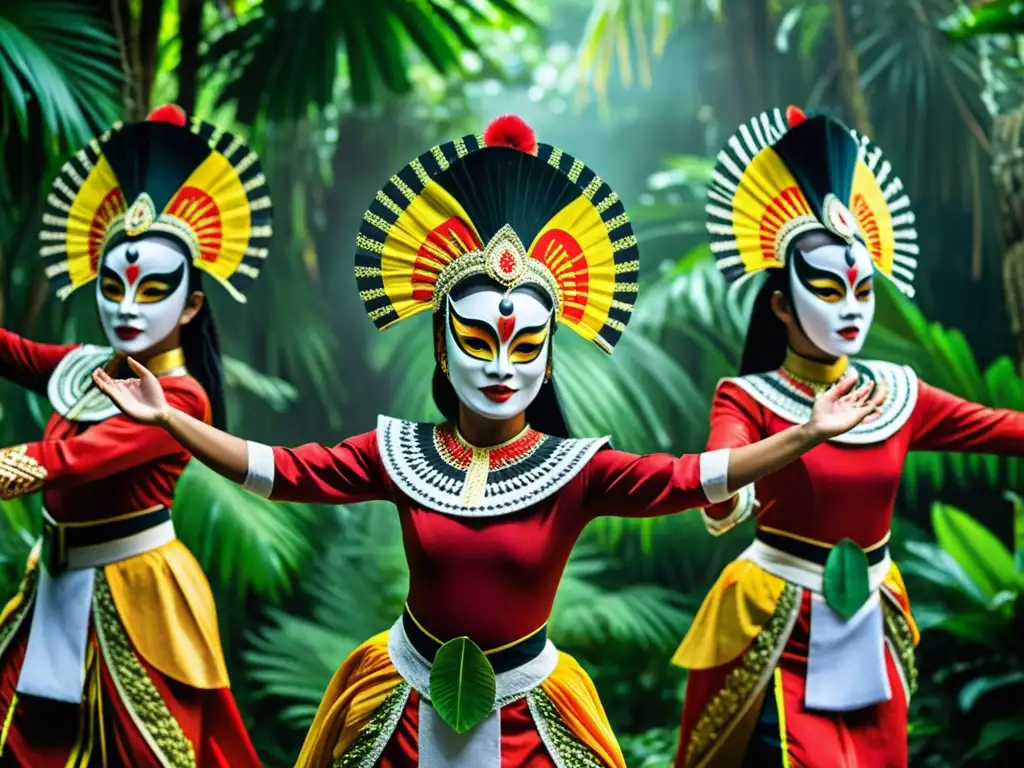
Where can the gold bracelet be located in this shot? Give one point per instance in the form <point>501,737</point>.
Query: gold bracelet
<point>20,474</point>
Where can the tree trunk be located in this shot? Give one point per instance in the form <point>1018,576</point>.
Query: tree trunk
<point>748,26</point>
<point>849,70</point>
<point>190,21</point>
<point>1008,170</point>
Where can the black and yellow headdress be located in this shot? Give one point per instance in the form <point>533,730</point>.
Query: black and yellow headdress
<point>188,181</point>
<point>779,177</point>
<point>502,205</point>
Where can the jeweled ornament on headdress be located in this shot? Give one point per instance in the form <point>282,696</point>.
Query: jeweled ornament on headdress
<point>184,180</point>
<point>780,177</point>
<point>503,206</point>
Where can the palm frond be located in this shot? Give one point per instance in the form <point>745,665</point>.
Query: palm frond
<point>244,543</point>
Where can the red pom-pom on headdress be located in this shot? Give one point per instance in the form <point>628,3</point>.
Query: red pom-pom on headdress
<point>794,116</point>
<point>168,113</point>
<point>511,131</point>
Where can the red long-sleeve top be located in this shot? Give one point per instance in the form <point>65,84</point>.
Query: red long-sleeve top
<point>838,491</point>
<point>494,578</point>
<point>108,469</point>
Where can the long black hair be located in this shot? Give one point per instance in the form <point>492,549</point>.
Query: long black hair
<point>765,347</point>
<point>201,344</point>
<point>544,414</point>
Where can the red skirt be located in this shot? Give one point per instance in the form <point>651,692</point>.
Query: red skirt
<point>786,734</point>
<point>102,731</point>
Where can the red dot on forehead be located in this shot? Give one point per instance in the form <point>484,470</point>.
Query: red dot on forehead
<point>131,272</point>
<point>851,275</point>
<point>506,325</point>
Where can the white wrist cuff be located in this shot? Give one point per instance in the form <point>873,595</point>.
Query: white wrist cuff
<point>259,477</point>
<point>745,503</point>
<point>714,475</point>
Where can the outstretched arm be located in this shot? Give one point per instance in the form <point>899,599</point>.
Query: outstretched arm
<point>944,422</point>
<point>344,474</point>
<point>628,485</point>
<point>27,363</point>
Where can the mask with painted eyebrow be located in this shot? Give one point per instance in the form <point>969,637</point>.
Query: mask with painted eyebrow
<point>833,314</point>
<point>500,381</point>
<point>474,337</point>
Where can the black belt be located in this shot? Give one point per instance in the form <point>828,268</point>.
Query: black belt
<point>516,655</point>
<point>57,538</point>
<point>813,552</point>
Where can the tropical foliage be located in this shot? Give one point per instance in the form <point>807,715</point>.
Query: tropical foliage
<point>335,96</point>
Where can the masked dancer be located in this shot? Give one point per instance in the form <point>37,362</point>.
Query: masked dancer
<point>803,652</point>
<point>110,654</point>
<point>498,237</point>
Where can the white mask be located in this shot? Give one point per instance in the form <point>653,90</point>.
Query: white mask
<point>833,295</point>
<point>141,292</point>
<point>497,361</point>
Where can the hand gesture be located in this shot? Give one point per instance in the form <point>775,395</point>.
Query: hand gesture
<point>141,399</point>
<point>841,408</point>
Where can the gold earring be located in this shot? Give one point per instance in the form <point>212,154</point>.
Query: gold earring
<point>443,361</point>
<point>547,373</point>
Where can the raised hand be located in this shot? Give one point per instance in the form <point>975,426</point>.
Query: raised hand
<point>141,399</point>
<point>841,408</point>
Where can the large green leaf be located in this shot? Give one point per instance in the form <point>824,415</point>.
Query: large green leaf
<point>981,555</point>
<point>462,684</point>
<point>845,582</point>
<point>978,687</point>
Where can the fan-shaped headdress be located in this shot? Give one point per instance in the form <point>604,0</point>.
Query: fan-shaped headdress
<point>778,178</point>
<point>501,205</point>
<point>192,183</point>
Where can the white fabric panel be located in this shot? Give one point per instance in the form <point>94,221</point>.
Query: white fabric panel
<point>54,666</point>
<point>714,475</point>
<point>846,660</point>
<point>440,746</point>
<point>96,555</point>
<point>804,573</point>
<point>259,475</point>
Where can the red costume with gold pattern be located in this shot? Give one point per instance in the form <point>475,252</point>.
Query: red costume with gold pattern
<point>110,654</point>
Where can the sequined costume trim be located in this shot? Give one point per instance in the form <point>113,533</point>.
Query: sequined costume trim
<point>565,749</point>
<point>367,749</point>
<point>900,640</point>
<point>20,474</point>
<point>726,707</point>
<point>140,697</point>
<point>433,466</point>
<point>788,397</point>
<point>13,622</point>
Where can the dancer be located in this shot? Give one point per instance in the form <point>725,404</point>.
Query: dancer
<point>803,652</point>
<point>110,654</point>
<point>499,237</point>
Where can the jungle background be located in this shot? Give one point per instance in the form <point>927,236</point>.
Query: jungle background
<point>338,94</point>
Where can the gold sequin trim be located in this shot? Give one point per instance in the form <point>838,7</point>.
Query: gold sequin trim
<point>616,222</point>
<point>388,203</point>
<point>575,170</point>
<point>368,272</point>
<point>591,189</point>
<point>420,171</point>
<point>623,243</point>
<point>621,305</point>
<point>362,241</point>
<point>20,474</point>
<point>403,188</point>
<point>565,749</point>
<point>556,157</point>
<point>898,630</point>
<point>627,266</point>
<point>376,221</point>
<point>615,325</point>
<point>438,154</point>
<point>744,681</point>
<point>607,202</point>
<point>374,293</point>
<point>368,747</point>
<point>627,287</point>
<point>460,147</point>
<point>140,697</point>
<point>380,312</point>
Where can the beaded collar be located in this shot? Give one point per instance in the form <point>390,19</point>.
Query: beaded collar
<point>72,393</point>
<point>790,391</point>
<point>434,466</point>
